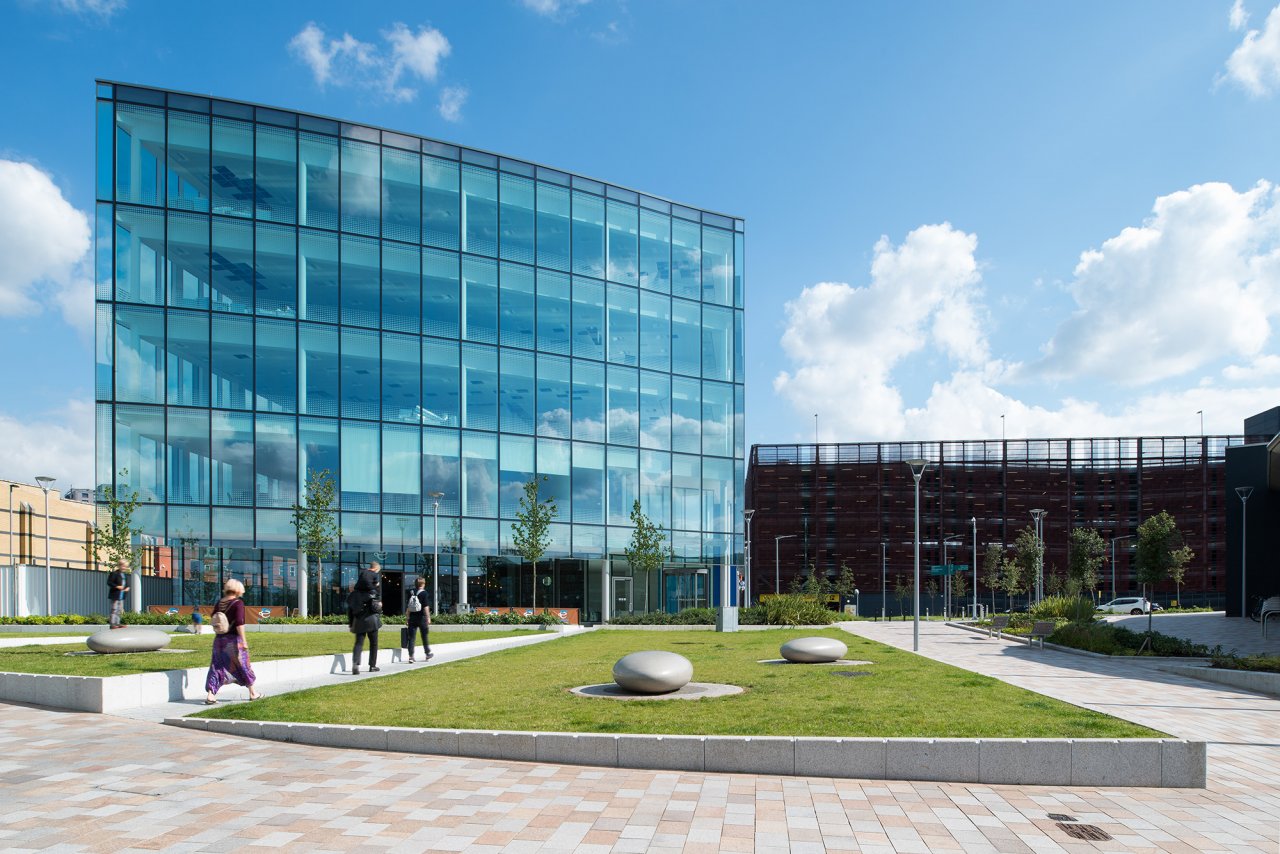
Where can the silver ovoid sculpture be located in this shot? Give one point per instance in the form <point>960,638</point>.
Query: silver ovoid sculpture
<point>813,650</point>
<point>128,639</point>
<point>653,672</point>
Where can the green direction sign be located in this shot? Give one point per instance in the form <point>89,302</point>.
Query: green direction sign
<point>948,569</point>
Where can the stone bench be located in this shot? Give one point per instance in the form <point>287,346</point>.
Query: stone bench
<point>998,625</point>
<point>1270,608</point>
<point>1040,631</point>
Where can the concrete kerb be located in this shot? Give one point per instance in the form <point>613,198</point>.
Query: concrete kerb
<point>1141,659</point>
<point>1246,680</point>
<point>1164,763</point>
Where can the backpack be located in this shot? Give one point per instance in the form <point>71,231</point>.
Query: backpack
<point>221,625</point>
<point>414,605</point>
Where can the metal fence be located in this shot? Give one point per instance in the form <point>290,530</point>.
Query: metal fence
<point>73,591</point>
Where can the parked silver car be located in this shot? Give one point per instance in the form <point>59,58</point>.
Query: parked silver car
<point>1126,605</point>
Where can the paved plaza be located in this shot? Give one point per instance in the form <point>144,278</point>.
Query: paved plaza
<point>77,782</point>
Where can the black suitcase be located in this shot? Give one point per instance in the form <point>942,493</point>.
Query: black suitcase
<point>404,639</point>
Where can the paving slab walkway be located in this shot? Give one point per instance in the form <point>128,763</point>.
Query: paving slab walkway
<point>76,782</point>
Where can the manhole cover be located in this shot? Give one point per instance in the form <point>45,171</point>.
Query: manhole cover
<point>1084,831</point>
<point>850,673</point>
<point>1057,816</point>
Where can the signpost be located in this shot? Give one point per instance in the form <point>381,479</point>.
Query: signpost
<point>948,569</point>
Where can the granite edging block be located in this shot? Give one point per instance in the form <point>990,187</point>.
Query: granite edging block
<point>498,744</point>
<point>662,752</point>
<point>577,749</point>
<point>941,760</point>
<point>1183,764</point>
<point>855,758</point>
<point>1115,762</point>
<point>750,754</point>
<point>1024,762</point>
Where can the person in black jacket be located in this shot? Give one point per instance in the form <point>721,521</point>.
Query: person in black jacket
<point>364,615</point>
<point>419,619</point>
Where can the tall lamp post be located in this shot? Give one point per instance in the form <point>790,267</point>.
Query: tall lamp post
<point>435,551</point>
<point>777,572</point>
<point>746,558</point>
<point>1115,540</point>
<point>974,523</point>
<point>884,594</point>
<point>44,482</point>
<point>917,470</point>
<point>1038,516</point>
<point>1244,492</point>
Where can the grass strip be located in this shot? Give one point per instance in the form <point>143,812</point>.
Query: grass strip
<point>527,688</point>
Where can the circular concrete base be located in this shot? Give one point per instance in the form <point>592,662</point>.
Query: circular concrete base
<point>691,691</point>
<point>845,661</point>
<point>164,650</point>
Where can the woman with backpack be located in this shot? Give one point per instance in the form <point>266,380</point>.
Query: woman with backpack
<point>418,609</point>
<point>230,662</point>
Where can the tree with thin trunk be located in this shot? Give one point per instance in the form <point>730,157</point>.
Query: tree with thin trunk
<point>648,549</point>
<point>992,576</point>
<point>1160,549</point>
<point>1011,579</point>
<point>1028,553</point>
<point>113,541</point>
<point>316,523</point>
<point>1086,554</point>
<point>531,530</point>
<point>901,588</point>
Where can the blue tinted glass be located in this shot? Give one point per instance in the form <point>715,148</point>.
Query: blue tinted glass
<point>440,293</point>
<point>187,358</point>
<point>103,336</point>
<point>102,252</point>
<point>739,421</point>
<point>231,283</point>
<point>655,487</point>
<point>231,362</point>
<point>361,531</point>
<point>317,369</point>
<point>622,320</point>
<point>479,210</point>
<point>553,312</point>
<point>361,465</point>
<point>361,188</point>
<point>480,384</point>
<point>588,235</point>
<point>232,454</point>
<point>277,270</point>
<point>739,360</point>
<point>103,472</point>
<point>686,415</point>
<point>401,479</point>
<point>277,174</point>
<point>441,473</point>
<point>105,132</point>
<point>274,362</point>
<point>686,337</point>
<point>623,248</point>
<point>190,524</point>
<point>516,218</point>
<point>140,355</point>
<point>480,300</point>
<point>361,292</point>
<point>187,178</point>
<point>655,251</point>
<point>623,406</point>
<point>401,196</point>
<point>588,319</point>
<point>231,175</point>
<point>187,268</point>
<point>554,466</point>
<point>686,259</point>
<point>516,470</point>
<point>655,331</point>
<point>588,541</point>
<point>588,401</point>
<point>515,302</point>
<point>139,155</point>
<point>440,204</point>
<point>588,483</point>
<point>232,528</point>
<point>686,492</point>
<point>401,287</point>
<point>140,451</point>
<point>717,266</point>
<point>318,172</point>
<point>717,495</point>
<point>361,377</point>
<point>738,264</point>
<point>717,342</point>
<point>318,272</point>
<point>655,411</point>
<point>623,484</point>
<point>275,461</point>
<point>553,226</point>
<point>401,357</point>
<point>440,371</point>
<point>318,447</point>
<point>517,391</point>
<point>555,397</point>
<point>717,419</point>
<point>480,474</point>
<point>139,255</point>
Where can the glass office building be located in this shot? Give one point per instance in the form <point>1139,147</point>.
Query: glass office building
<point>279,293</point>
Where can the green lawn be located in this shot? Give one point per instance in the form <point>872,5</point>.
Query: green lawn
<point>70,631</point>
<point>527,689</point>
<point>262,646</point>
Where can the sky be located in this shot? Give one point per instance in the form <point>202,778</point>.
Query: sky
<point>1050,220</point>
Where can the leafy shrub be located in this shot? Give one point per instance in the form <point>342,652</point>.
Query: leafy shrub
<point>96,619</point>
<point>1109,639</point>
<point>686,617</point>
<point>1256,663</point>
<point>1075,609</point>
<point>795,610</point>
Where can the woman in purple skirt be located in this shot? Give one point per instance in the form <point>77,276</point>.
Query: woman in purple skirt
<point>230,661</point>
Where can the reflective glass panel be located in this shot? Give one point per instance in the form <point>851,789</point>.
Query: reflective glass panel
<point>655,331</point>
<point>717,419</point>
<point>361,465</point>
<point>140,451</point>
<point>139,155</point>
<point>440,203</point>
<point>738,263</point>
<point>401,287</point>
<point>480,382</point>
<point>553,312</point>
<point>717,342</point>
<point>361,188</point>
<point>515,304</point>
<point>686,415</point>
<point>655,251</point>
<point>686,337</point>
<point>622,320</point>
<point>623,248</point>
<point>655,410</point>
<point>480,300</point>
<point>140,354</point>
<point>231,284</point>
<point>188,174</point>
<point>553,226</point>
<point>318,448</point>
<point>588,319</point>
<point>318,273</point>
<point>401,479</point>
<point>440,372</point>
<point>103,339</point>
<point>517,469</point>
<point>401,196</point>
<point>440,293</point>
<point>588,401</point>
<point>275,461</point>
<point>686,492</point>
<point>623,483</point>
<point>277,174</point>
<point>517,215</point>
<point>361,377</point>
<point>554,465</point>
<point>517,391</point>
<point>441,471</point>
<point>361,289</point>
<point>480,474</point>
<point>318,182</point>
<point>103,166</point>
<point>655,487</point>
<point>232,167</point>
<point>103,284</point>
<point>231,362</point>
<point>187,261</point>
<point>139,255</point>
<point>401,357</point>
<point>274,362</point>
<point>317,369</point>
<point>623,405</point>
<point>588,235</point>
<point>588,483</point>
<point>232,458</point>
<point>717,495</point>
<point>479,210</point>
<point>554,397</point>
<point>277,270</point>
<point>187,359</point>
<point>717,266</point>
<point>686,259</point>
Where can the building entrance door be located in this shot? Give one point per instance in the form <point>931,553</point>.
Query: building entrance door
<point>623,603</point>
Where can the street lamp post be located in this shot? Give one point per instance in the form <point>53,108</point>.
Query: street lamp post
<point>917,470</point>
<point>1038,516</point>
<point>1114,540</point>
<point>777,572</point>
<point>1244,492</point>
<point>435,551</point>
<point>44,482</point>
<point>884,594</point>
<point>974,523</point>
<point>746,558</point>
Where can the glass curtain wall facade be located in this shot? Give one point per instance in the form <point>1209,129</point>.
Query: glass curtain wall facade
<point>279,293</point>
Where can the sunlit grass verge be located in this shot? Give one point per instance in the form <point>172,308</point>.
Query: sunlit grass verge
<point>527,688</point>
<point>263,646</point>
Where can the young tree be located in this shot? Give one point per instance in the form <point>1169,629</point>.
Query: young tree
<point>1087,552</point>
<point>1178,570</point>
<point>901,589</point>
<point>992,575</point>
<point>1054,583</point>
<point>316,524</point>
<point>114,541</point>
<point>1160,549</point>
<point>648,548</point>
<point>959,589</point>
<point>1011,578</point>
<point>531,530</point>
<point>1028,553</point>
<point>846,582</point>
<point>931,588</point>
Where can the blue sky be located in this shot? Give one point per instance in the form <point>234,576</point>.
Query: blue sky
<point>1059,213</point>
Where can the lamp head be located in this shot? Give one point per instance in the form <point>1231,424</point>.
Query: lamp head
<point>1244,492</point>
<point>917,467</point>
<point>747,514</point>
<point>44,481</point>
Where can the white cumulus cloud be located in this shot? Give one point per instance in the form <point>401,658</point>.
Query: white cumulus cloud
<point>1238,17</point>
<point>392,69</point>
<point>553,8</point>
<point>452,99</point>
<point>1199,280</point>
<point>58,444</point>
<point>1255,63</point>
<point>100,8</point>
<point>44,244</point>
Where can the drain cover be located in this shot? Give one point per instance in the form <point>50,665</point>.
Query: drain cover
<point>1084,831</point>
<point>851,673</point>
<point>1057,816</point>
